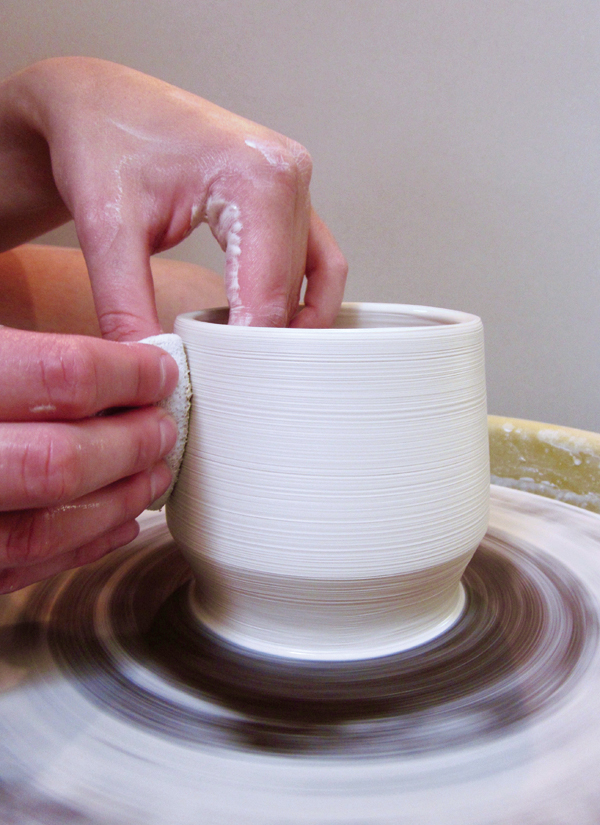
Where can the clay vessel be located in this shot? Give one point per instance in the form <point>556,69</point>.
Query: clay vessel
<point>335,483</point>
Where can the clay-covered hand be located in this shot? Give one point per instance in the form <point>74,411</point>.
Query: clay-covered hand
<point>139,164</point>
<point>73,481</point>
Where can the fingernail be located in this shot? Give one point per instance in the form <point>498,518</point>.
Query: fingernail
<point>160,478</point>
<point>168,433</point>
<point>169,373</point>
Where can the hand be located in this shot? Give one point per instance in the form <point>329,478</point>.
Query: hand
<point>139,164</point>
<point>73,481</point>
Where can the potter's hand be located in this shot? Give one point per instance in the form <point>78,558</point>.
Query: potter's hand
<point>139,164</point>
<point>73,482</point>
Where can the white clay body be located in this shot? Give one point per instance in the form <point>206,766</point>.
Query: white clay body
<point>335,483</point>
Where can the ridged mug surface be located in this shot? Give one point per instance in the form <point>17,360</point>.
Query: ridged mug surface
<point>335,482</point>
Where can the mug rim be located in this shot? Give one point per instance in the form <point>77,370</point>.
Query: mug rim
<point>434,318</point>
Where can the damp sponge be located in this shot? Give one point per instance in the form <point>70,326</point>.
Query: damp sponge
<point>177,405</point>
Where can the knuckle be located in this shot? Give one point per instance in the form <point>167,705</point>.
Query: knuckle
<point>144,440</point>
<point>303,160</point>
<point>51,467</point>
<point>98,222</point>
<point>27,537</point>
<point>68,376</point>
<point>137,495</point>
<point>339,266</point>
<point>276,316</point>
<point>120,326</point>
<point>285,160</point>
<point>143,454</point>
<point>297,166</point>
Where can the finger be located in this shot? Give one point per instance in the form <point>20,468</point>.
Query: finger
<point>45,376</point>
<point>263,227</point>
<point>118,260</point>
<point>326,271</point>
<point>258,263</point>
<point>56,463</point>
<point>14,578</point>
<point>29,538</point>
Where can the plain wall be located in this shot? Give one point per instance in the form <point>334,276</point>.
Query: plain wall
<point>456,146</point>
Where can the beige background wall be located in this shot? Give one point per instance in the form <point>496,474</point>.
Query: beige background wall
<point>456,146</point>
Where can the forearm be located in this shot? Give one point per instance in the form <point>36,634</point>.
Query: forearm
<point>47,289</point>
<point>30,203</point>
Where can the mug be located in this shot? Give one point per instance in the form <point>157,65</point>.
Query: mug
<point>335,483</point>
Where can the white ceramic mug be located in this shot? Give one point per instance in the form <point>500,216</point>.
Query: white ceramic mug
<point>335,482</point>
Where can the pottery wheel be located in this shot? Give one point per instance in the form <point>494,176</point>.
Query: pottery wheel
<point>117,708</point>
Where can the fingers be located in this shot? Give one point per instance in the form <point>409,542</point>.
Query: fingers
<point>326,271</point>
<point>31,538</point>
<point>118,260</point>
<point>261,219</point>
<point>57,463</point>
<point>60,377</point>
<point>272,239</point>
<point>14,578</point>
<point>73,487</point>
<point>35,544</point>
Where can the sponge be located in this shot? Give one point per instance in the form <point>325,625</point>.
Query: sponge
<point>177,404</point>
